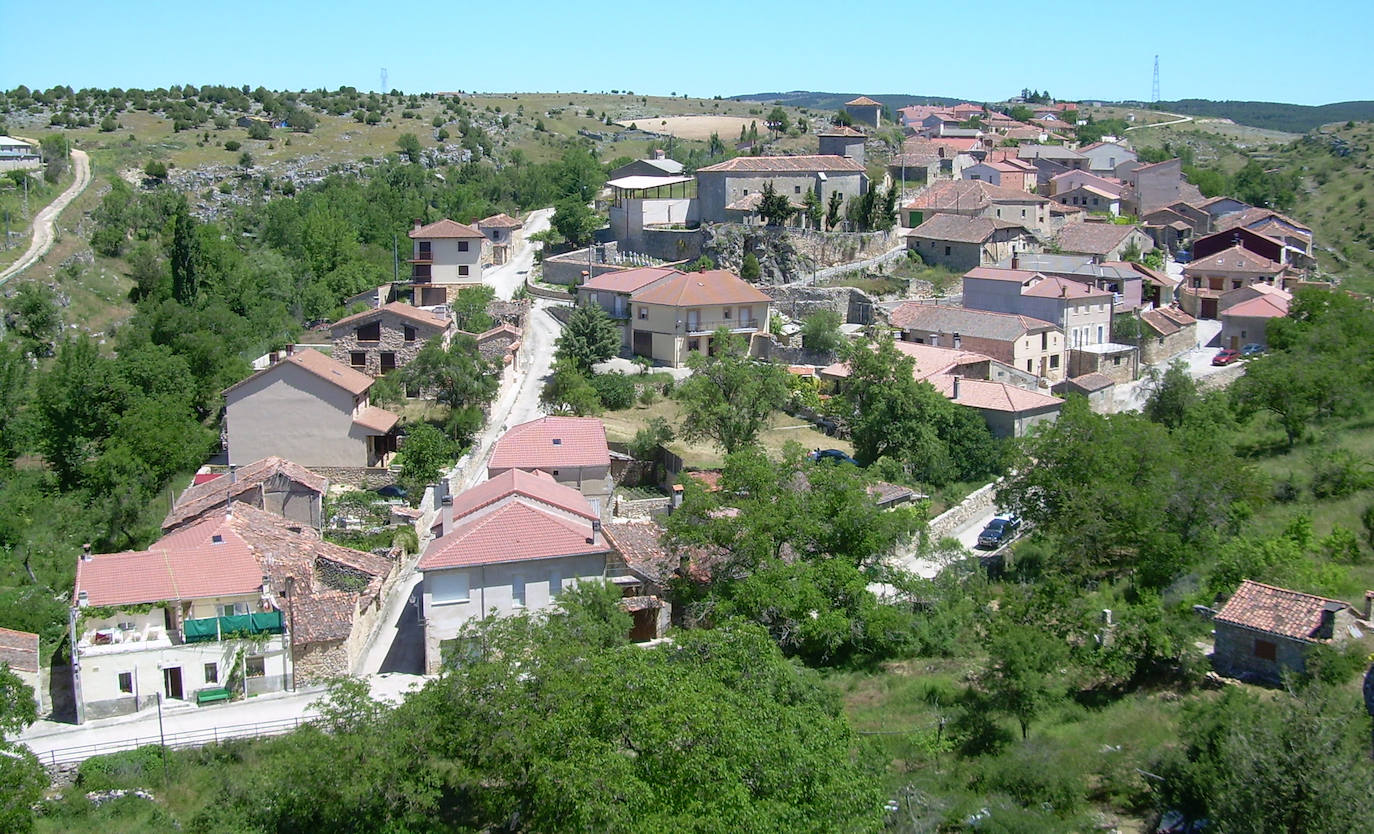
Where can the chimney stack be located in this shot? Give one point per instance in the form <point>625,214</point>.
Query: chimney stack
<point>1063,291</point>
<point>678,494</point>
<point>1368,604</point>
<point>1328,623</point>
<point>1015,261</point>
<point>956,386</point>
<point>86,552</point>
<point>416,224</point>
<point>659,153</point>
<point>957,341</point>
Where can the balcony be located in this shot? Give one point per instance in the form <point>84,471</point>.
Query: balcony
<point>117,640</point>
<point>218,628</point>
<point>420,273</point>
<point>704,327</point>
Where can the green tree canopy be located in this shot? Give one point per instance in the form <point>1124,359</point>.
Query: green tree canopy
<point>589,337</point>
<point>729,397</point>
<point>575,221</point>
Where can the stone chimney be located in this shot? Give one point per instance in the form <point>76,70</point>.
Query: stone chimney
<point>1327,628</point>
<point>416,224</point>
<point>956,386</point>
<point>86,552</point>
<point>1015,261</point>
<point>660,154</point>
<point>958,343</point>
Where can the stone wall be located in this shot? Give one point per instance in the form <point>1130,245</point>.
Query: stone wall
<point>797,301</point>
<point>977,503</point>
<point>318,662</point>
<point>392,341</point>
<point>356,476</point>
<point>641,508</point>
<point>671,244</point>
<point>1156,350</point>
<point>788,254</point>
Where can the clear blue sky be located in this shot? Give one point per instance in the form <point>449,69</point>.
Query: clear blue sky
<point>1305,53</point>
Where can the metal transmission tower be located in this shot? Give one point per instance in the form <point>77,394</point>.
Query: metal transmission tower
<point>384,87</point>
<point>1154,90</point>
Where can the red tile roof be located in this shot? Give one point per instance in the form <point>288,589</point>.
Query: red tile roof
<point>408,312</point>
<point>499,221</point>
<point>638,543</point>
<point>205,495</point>
<point>1279,611</point>
<point>1052,286</point>
<point>376,420</point>
<point>550,443</point>
<point>785,164</point>
<point>930,360</point>
<point>187,564</point>
<point>841,130</point>
<point>994,396</point>
<point>961,228</point>
<point>444,229</point>
<point>1092,238</point>
<point>701,289</point>
<point>516,531</point>
<point>1166,321</point>
<point>629,280</point>
<point>536,486</point>
<point>19,649</point>
<point>1235,259</point>
<point>1259,307</point>
<point>968,195</point>
<point>863,101</point>
<point>324,367</point>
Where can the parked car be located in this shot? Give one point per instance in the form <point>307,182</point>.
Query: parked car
<point>1252,349</point>
<point>832,456</point>
<point>1225,356</point>
<point>1182,256</point>
<point>392,491</point>
<point>999,531</point>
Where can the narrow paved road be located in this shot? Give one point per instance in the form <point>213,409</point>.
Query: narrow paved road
<point>508,277</point>
<point>43,224</point>
<point>1177,121</point>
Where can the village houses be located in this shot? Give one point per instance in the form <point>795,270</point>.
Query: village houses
<point>447,256</point>
<point>388,337</point>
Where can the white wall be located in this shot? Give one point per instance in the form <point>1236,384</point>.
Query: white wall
<point>447,257</point>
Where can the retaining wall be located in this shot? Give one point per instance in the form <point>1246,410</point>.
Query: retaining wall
<point>948,522</point>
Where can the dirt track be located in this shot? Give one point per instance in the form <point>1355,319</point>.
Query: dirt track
<point>47,218</point>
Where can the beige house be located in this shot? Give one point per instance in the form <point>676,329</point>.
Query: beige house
<point>677,316</point>
<point>1028,344</point>
<point>381,340</point>
<point>572,450</point>
<point>958,242</point>
<point>447,257</point>
<point>1103,241</point>
<point>1205,279</point>
<point>611,292</point>
<point>310,409</point>
<point>1245,321</point>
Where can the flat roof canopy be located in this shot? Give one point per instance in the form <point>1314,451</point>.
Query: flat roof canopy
<point>642,181</point>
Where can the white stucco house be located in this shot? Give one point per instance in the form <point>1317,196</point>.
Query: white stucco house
<point>447,256</point>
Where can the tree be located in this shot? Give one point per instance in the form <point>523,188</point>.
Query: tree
<point>774,208</point>
<point>575,221</point>
<point>22,778</point>
<point>569,391</point>
<point>469,308</point>
<point>183,253</point>
<point>821,331</point>
<point>155,169</point>
<point>832,211</point>
<point>459,375</point>
<point>423,456</point>
<point>729,397</point>
<point>701,264</point>
<point>245,160</point>
<point>812,209</point>
<point>777,120</point>
<point>589,337</point>
<point>1174,394</point>
<point>749,268</point>
<point>409,144</point>
<point>35,319</point>
<point>260,130</point>
<point>1024,674</point>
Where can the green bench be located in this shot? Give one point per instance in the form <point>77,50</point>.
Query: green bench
<point>209,696</point>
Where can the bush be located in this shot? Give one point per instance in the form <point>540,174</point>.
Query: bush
<point>130,768</point>
<point>1339,472</point>
<point>156,169</point>
<point>650,437</point>
<point>1331,665</point>
<point>259,130</point>
<point>1034,774</point>
<point>615,390</point>
<point>232,145</point>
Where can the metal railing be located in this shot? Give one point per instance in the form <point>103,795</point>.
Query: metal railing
<point>189,738</point>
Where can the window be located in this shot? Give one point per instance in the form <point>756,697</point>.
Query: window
<point>369,332</point>
<point>410,333</point>
<point>517,591</point>
<point>1116,360</point>
<point>555,583</point>
<point>796,189</point>
<point>1054,361</point>
<point>1265,650</point>
<point>462,269</point>
<point>694,344</point>
<point>233,609</point>
<point>447,587</point>
<point>746,316</point>
<point>462,246</point>
<point>388,361</point>
<point>746,192</point>
<point>726,313</point>
<point>643,313</point>
<point>1242,334</point>
<point>1023,212</point>
<point>1099,334</point>
<point>1029,367</point>
<point>211,673</point>
<point>424,250</point>
<point>126,682</point>
<point>946,251</point>
<point>1044,340</point>
<point>255,667</point>
<point>357,359</point>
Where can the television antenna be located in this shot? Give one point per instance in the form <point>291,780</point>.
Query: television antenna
<point>1154,90</point>
<point>384,87</point>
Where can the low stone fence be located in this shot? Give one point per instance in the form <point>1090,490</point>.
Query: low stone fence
<point>1221,378</point>
<point>975,504</point>
<point>539,291</point>
<point>641,507</point>
<point>358,476</point>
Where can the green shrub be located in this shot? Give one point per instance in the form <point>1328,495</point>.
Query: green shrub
<point>615,390</point>
<point>130,768</point>
<point>1035,775</point>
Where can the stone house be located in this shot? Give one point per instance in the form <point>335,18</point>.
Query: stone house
<point>1103,241</point>
<point>572,450</point>
<point>843,141</point>
<point>1081,311</point>
<point>1124,280</point>
<point>977,198</point>
<point>866,110</point>
<point>377,342</point>
<point>499,344</point>
<point>517,541</point>
<point>724,183</point>
<point>1021,342</point>
<point>1105,157</point>
<point>1166,332</point>
<point>677,316</point>
<point>1091,199</point>
<point>1117,362</point>
<point>1156,185</point>
<point>1008,410</point>
<point>447,256</point>
<point>1098,389</point>
<point>1205,279</point>
<point>19,652</point>
<point>308,408</point>
<point>273,484</point>
<point>961,243</point>
<point>500,230</point>
<point>1264,631</point>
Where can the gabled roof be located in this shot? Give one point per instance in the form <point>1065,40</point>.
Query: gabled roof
<point>1259,307</point>
<point>638,543</point>
<point>444,229</point>
<point>1093,238</point>
<point>504,221</point>
<point>930,360</point>
<point>966,322</point>
<point>550,443</point>
<point>18,649</point>
<point>376,420</point>
<point>187,564</point>
<point>863,101</point>
<point>700,289</point>
<point>841,130</point>
<point>970,195</point>
<point>1279,611</point>
<point>206,495</point>
<point>518,528</point>
<point>1090,382</point>
<point>409,312</point>
<point>324,367</point>
<point>535,486</point>
<point>962,229</point>
<point>1166,321</point>
<point>1235,259</point>
<point>986,395</point>
<point>1053,286</point>
<point>785,164</point>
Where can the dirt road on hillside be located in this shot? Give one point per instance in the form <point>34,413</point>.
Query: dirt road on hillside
<point>44,224</point>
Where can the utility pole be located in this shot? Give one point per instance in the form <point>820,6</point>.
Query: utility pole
<point>1154,90</point>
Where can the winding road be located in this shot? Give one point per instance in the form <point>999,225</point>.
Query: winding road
<point>43,224</point>
<point>1177,121</point>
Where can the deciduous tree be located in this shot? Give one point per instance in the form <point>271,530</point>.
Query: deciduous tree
<point>729,397</point>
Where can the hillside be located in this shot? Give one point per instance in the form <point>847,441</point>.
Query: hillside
<point>835,101</point>
<point>1337,182</point>
<point>1294,118</point>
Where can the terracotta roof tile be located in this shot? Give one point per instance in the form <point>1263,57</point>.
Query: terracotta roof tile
<point>863,101</point>
<point>535,486</point>
<point>551,442</point>
<point>701,289</point>
<point>517,531</point>
<point>994,396</point>
<point>1052,286</point>
<point>19,649</point>
<point>1279,611</point>
<point>396,308</point>
<point>324,367</point>
<point>785,164</point>
<point>962,229</point>
<point>188,564</point>
<point>629,280</point>
<point>1235,259</point>
<point>499,221</point>
<point>200,497</point>
<point>375,419</point>
<point>968,195</point>
<point>1093,238</point>
<point>965,321</point>
<point>444,229</point>
<point>1091,382</point>
<point>1259,307</point>
<point>841,130</point>
<point>638,543</point>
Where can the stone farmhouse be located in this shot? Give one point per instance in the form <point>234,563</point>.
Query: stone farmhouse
<point>378,341</point>
<point>1264,631</point>
<point>978,198</point>
<point>273,484</point>
<point>724,183</point>
<point>959,242</point>
<point>866,110</point>
<point>1028,344</point>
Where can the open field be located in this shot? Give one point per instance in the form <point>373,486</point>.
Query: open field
<point>699,127</point>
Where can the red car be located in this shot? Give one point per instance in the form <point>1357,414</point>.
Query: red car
<point>1225,357</point>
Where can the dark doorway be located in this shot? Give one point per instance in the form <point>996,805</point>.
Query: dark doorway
<point>644,344</point>
<point>171,681</point>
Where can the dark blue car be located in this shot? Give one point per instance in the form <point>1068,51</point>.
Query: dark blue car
<point>831,455</point>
